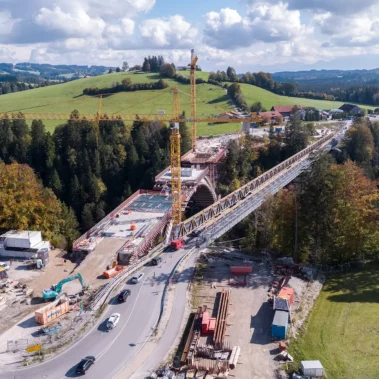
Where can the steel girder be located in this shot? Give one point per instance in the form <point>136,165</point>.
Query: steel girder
<point>220,207</point>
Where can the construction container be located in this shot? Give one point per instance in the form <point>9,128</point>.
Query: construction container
<point>288,294</point>
<point>279,325</point>
<point>51,311</point>
<point>244,270</point>
<point>312,368</point>
<point>114,271</point>
<point>280,304</point>
<point>205,323</point>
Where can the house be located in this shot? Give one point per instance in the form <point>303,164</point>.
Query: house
<point>285,110</point>
<point>270,117</point>
<point>350,109</point>
<point>24,244</point>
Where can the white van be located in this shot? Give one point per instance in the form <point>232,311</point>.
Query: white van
<point>137,277</point>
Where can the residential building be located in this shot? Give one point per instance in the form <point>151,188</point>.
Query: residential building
<point>24,244</point>
<point>285,110</point>
<point>350,109</point>
<point>270,117</point>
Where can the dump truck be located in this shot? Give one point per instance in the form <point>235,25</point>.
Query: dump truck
<point>56,289</point>
<point>177,244</point>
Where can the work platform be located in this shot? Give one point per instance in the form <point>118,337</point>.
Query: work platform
<point>136,222</point>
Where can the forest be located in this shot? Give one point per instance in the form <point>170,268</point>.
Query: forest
<point>330,214</point>
<point>88,170</point>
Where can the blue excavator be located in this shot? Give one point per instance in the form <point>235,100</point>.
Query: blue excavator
<point>56,289</point>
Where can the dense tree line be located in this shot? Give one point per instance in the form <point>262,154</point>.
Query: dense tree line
<point>234,91</point>
<point>245,162</point>
<point>331,214</point>
<point>260,79</point>
<point>25,204</point>
<point>10,87</point>
<point>152,63</point>
<point>169,71</point>
<point>91,169</point>
<point>126,86</point>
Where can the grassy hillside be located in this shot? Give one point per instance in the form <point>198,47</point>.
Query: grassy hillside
<point>269,99</point>
<point>212,99</point>
<point>342,330</point>
<point>68,96</point>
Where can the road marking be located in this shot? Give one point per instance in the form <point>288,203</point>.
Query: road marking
<point>130,315</point>
<point>77,342</point>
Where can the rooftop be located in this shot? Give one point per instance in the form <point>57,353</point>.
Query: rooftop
<point>24,234</point>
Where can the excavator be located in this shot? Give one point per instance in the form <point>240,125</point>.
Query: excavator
<point>56,289</point>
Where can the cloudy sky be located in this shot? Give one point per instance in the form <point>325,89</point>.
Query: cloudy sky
<point>247,34</point>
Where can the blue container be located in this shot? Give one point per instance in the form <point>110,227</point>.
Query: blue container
<point>279,325</point>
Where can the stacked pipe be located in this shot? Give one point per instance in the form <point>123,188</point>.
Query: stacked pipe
<point>222,314</point>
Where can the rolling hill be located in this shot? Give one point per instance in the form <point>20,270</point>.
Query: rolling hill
<point>212,99</point>
<point>69,96</point>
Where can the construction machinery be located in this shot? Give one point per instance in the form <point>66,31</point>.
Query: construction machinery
<point>56,289</point>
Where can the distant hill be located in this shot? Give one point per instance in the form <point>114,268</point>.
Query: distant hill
<point>51,72</point>
<point>325,80</point>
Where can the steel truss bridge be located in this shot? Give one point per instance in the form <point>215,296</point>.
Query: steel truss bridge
<point>225,213</point>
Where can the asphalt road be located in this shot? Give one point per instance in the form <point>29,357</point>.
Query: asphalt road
<point>115,349</point>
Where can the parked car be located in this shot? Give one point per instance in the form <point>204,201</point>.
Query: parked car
<point>113,321</point>
<point>84,365</point>
<point>5,265</point>
<point>137,277</point>
<point>123,295</point>
<point>155,261</point>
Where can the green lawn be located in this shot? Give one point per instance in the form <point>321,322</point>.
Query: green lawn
<point>343,327</point>
<point>269,99</point>
<point>66,97</point>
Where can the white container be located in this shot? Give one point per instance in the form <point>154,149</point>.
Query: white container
<point>312,368</point>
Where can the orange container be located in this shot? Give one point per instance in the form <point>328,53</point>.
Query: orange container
<point>288,294</point>
<point>51,311</point>
<point>114,271</point>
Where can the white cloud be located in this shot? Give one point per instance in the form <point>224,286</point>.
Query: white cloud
<point>334,6</point>
<point>358,30</point>
<point>171,32</point>
<point>78,23</point>
<point>7,55</point>
<point>268,23</point>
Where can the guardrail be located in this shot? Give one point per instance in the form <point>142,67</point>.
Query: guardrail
<point>103,297</point>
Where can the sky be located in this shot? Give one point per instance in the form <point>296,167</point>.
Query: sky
<point>248,35</point>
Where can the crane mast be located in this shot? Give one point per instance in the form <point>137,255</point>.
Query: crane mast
<point>194,60</point>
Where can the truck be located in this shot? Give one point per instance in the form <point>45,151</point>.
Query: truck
<point>177,244</point>
<point>56,289</point>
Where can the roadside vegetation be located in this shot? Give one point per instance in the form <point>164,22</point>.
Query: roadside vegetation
<point>341,331</point>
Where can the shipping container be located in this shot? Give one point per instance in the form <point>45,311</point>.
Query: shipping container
<point>288,294</point>
<point>114,271</point>
<point>312,368</point>
<point>51,311</point>
<point>235,270</point>
<point>279,325</point>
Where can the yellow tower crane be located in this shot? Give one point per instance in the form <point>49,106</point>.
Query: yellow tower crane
<point>194,60</point>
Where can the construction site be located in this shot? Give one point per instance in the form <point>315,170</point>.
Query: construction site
<point>242,314</point>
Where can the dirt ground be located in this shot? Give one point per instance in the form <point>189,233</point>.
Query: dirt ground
<point>93,266</point>
<point>250,318</point>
